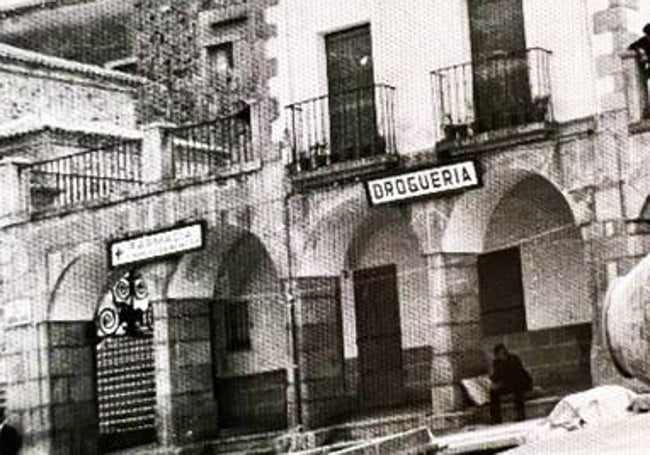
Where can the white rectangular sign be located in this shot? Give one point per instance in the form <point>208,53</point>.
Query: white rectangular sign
<point>424,182</point>
<point>157,244</point>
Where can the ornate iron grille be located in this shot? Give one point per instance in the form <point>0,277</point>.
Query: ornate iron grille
<point>126,392</point>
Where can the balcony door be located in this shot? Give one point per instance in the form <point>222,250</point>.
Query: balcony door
<point>500,69</point>
<point>350,80</point>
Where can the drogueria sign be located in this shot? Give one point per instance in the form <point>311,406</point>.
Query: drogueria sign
<point>424,182</point>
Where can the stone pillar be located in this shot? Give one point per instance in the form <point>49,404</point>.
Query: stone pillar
<point>75,422</point>
<point>157,153</point>
<point>51,394</point>
<point>319,344</point>
<point>614,248</point>
<point>456,331</point>
<point>185,399</point>
<point>14,180</point>
<point>636,87</point>
<point>612,26</point>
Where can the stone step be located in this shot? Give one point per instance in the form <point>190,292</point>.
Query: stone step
<point>363,431</point>
<point>257,444</point>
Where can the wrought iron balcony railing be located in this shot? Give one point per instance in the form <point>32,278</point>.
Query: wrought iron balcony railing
<point>506,90</point>
<point>91,175</point>
<point>203,148</point>
<point>345,126</point>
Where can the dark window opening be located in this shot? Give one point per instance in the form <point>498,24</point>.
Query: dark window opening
<point>221,59</point>
<point>237,325</point>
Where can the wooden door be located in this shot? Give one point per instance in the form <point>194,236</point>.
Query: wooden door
<point>351,102</point>
<point>500,70</point>
<point>501,292</point>
<point>379,337</point>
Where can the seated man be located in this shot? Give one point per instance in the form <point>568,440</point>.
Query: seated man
<point>508,377</point>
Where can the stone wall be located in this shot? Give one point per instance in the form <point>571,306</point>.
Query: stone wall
<point>91,31</point>
<point>171,47</point>
<point>40,87</point>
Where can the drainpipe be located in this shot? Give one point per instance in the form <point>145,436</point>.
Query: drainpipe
<point>291,300</point>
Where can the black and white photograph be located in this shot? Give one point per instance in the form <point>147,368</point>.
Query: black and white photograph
<point>354,227</point>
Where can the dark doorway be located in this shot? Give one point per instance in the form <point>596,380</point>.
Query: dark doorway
<point>379,337</point>
<point>502,95</point>
<point>501,292</point>
<point>350,80</point>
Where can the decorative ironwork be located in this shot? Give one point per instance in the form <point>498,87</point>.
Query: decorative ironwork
<point>502,91</point>
<point>129,312</point>
<point>345,126</point>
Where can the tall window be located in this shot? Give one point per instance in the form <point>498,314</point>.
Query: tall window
<point>237,325</point>
<point>350,80</point>
<point>500,71</point>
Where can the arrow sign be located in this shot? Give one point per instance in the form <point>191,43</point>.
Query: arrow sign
<point>156,245</point>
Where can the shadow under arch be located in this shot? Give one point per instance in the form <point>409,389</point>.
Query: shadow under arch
<point>326,248</point>
<point>469,220</point>
<point>79,288</point>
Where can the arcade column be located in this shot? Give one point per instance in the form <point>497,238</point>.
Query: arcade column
<point>319,349</point>
<point>186,404</point>
<point>51,394</point>
<point>456,331</point>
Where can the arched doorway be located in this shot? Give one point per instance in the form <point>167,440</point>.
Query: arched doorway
<point>534,285</point>
<point>125,367</point>
<point>387,299</point>
<point>249,339</point>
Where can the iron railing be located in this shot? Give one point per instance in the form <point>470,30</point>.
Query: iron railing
<point>90,175</point>
<point>346,126</point>
<point>503,91</point>
<point>201,149</point>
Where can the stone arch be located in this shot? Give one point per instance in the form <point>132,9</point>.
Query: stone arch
<point>386,236</point>
<point>324,249</point>
<point>79,288</point>
<point>531,276</point>
<point>196,273</point>
<point>234,284</point>
<point>468,222</point>
<point>351,241</point>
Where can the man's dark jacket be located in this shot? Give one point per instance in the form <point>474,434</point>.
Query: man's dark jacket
<point>511,374</point>
<point>10,440</point>
<point>642,44</point>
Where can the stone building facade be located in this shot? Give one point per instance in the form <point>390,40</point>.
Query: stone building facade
<point>306,305</point>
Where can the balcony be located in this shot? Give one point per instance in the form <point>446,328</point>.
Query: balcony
<point>104,173</point>
<point>493,101</point>
<point>345,133</point>
<point>114,171</point>
<point>204,149</point>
